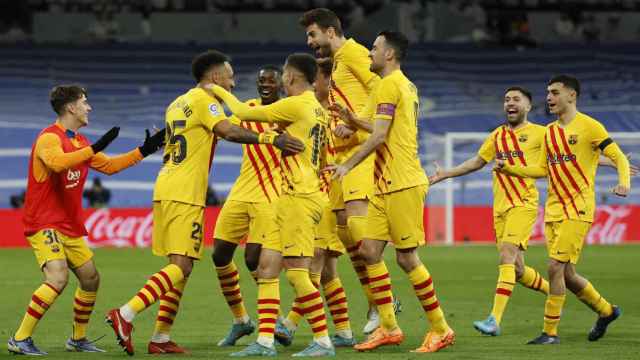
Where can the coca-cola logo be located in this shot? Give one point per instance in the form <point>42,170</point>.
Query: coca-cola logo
<point>610,224</point>
<point>119,231</point>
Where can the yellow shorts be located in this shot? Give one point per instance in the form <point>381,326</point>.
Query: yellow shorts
<point>565,239</point>
<point>356,185</point>
<point>326,235</point>
<point>298,217</point>
<point>258,220</point>
<point>51,244</point>
<point>177,229</point>
<point>515,226</point>
<point>398,217</point>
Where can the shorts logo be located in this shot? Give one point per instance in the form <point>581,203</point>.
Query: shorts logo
<point>573,139</point>
<point>213,109</point>
<point>353,191</point>
<point>405,238</point>
<point>523,138</point>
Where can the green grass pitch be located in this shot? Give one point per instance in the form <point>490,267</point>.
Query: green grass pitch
<point>464,277</point>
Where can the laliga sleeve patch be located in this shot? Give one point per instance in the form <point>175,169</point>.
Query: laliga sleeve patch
<point>386,109</point>
<point>213,109</point>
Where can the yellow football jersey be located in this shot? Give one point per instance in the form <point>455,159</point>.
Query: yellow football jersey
<point>305,119</point>
<point>189,148</point>
<point>571,155</point>
<point>259,180</point>
<point>397,165</point>
<point>518,147</point>
<point>351,84</point>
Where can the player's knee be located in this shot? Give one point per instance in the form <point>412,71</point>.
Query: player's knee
<point>251,260</point>
<point>58,280</point>
<point>221,256</point>
<point>91,282</point>
<point>328,274</point>
<point>556,269</point>
<point>519,269</point>
<point>368,254</point>
<point>407,260</point>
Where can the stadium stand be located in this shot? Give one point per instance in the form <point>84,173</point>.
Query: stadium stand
<point>461,88</point>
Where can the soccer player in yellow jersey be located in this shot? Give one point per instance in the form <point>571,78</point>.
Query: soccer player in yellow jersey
<point>351,83</point>
<point>396,211</point>
<point>248,211</point>
<point>328,247</point>
<point>515,199</point>
<point>569,158</point>
<point>193,121</point>
<point>299,208</point>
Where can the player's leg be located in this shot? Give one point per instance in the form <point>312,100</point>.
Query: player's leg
<point>530,277</point>
<point>586,292</point>
<point>298,250</point>
<point>406,228</point>
<point>269,268</point>
<point>232,226</point>
<point>83,303</point>
<point>177,234</point>
<point>51,257</point>
<point>296,314</point>
<point>371,250</point>
<point>336,299</point>
<point>56,275</point>
<point>556,248</point>
<point>252,258</point>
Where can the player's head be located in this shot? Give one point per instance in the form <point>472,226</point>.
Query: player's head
<point>299,68</point>
<point>323,78</point>
<point>71,100</point>
<point>517,104</point>
<point>321,25</point>
<point>562,93</point>
<point>269,83</point>
<point>212,66</point>
<point>389,47</point>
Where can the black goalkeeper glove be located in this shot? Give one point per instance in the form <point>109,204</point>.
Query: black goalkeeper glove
<point>105,140</point>
<point>152,143</point>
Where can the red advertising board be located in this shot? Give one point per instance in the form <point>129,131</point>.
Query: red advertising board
<point>131,227</point>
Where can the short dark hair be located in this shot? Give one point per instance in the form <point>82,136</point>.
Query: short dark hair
<point>522,90</point>
<point>324,18</point>
<point>304,63</point>
<point>62,95</point>
<point>270,67</point>
<point>568,81</point>
<point>204,61</point>
<point>398,41</point>
<point>326,66</point>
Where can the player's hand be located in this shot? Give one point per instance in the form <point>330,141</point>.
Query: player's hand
<point>338,170</point>
<point>342,113</point>
<point>105,140</point>
<point>499,165</point>
<point>288,144</point>
<point>438,176</point>
<point>620,190</point>
<point>633,168</point>
<point>343,131</point>
<point>152,143</point>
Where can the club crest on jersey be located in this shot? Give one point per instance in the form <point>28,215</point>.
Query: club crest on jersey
<point>573,139</point>
<point>213,108</point>
<point>523,138</point>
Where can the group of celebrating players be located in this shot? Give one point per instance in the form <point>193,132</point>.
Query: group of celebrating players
<point>333,167</point>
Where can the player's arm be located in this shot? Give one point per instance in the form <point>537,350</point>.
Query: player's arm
<point>49,149</point>
<point>538,170</point>
<point>111,165</point>
<point>474,164</point>
<point>633,168</point>
<point>350,119</point>
<point>376,139</point>
<point>279,111</point>
<point>612,151</point>
<point>230,132</point>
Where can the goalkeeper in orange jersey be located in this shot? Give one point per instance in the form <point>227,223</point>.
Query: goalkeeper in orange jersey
<point>248,211</point>
<point>194,121</point>
<point>328,247</point>
<point>53,221</point>
<point>569,159</point>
